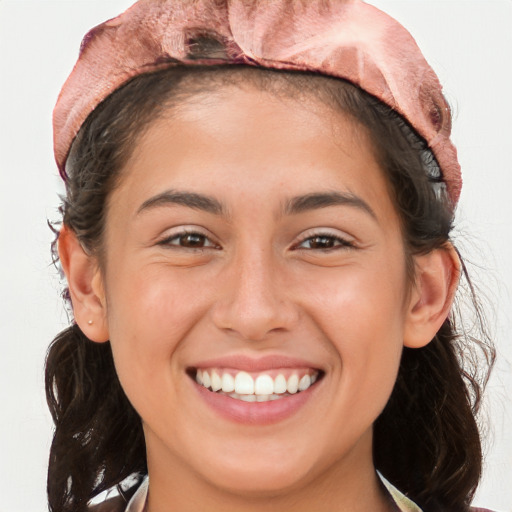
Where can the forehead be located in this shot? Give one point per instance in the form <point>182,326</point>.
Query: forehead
<point>243,140</point>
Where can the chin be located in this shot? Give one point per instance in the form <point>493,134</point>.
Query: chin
<point>257,467</point>
<point>258,482</point>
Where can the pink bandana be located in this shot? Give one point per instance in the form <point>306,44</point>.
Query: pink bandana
<point>348,39</point>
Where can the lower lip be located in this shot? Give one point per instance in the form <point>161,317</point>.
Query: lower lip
<point>255,413</point>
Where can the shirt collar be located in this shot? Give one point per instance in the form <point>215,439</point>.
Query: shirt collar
<point>138,500</point>
<point>403,503</point>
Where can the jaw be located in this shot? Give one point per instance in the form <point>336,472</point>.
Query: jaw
<point>261,476</point>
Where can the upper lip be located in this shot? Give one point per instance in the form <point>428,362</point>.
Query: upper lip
<point>251,364</point>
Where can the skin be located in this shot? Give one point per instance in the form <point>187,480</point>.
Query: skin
<point>262,284</point>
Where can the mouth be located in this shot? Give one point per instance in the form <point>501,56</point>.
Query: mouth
<point>256,392</point>
<point>262,386</point>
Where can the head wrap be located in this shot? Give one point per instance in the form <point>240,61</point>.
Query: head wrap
<point>347,39</point>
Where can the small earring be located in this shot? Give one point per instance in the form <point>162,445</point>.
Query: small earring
<point>90,322</point>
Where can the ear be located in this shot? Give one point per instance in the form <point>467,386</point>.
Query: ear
<point>86,288</point>
<point>436,278</point>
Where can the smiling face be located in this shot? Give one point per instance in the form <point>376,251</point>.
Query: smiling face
<point>257,235</point>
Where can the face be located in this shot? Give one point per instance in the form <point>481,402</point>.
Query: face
<point>252,243</point>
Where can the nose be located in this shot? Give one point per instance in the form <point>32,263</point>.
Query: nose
<point>253,300</point>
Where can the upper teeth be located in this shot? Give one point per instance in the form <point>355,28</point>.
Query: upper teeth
<point>244,383</point>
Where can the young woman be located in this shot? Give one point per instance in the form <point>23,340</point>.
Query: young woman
<point>256,240</point>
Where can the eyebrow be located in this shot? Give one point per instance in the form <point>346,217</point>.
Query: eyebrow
<point>183,198</point>
<point>317,200</point>
<point>293,206</point>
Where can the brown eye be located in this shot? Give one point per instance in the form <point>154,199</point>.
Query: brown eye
<point>321,242</point>
<point>324,242</point>
<point>188,241</point>
<point>193,240</point>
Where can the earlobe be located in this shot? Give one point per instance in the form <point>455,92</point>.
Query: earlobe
<point>86,288</point>
<point>437,276</point>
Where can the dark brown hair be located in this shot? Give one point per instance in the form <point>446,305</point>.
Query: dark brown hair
<point>426,441</point>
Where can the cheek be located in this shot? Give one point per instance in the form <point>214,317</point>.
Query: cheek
<point>360,312</point>
<point>149,314</point>
<point>365,301</point>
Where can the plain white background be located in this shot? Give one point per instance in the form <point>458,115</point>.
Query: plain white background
<point>468,42</point>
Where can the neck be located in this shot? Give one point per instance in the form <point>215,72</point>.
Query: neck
<point>349,485</point>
